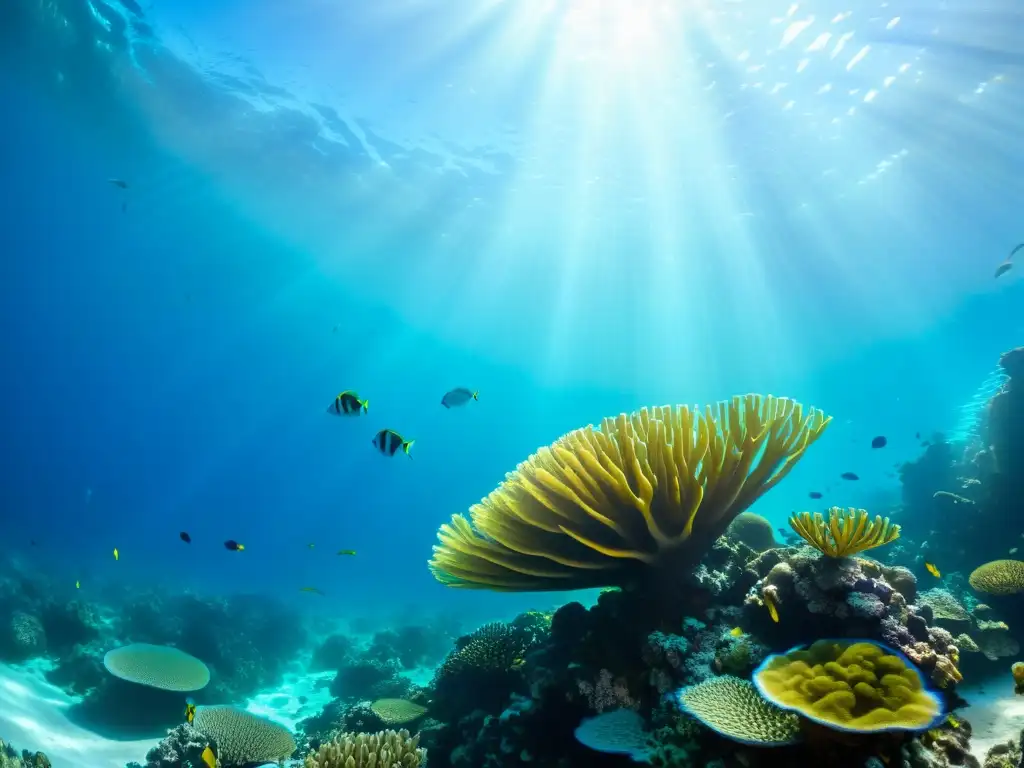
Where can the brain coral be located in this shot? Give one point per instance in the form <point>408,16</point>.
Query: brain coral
<point>850,685</point>
<point>158,666</point>
<point>242,737</point>
<point>999,577</point>
<point>387,749</point>
<point>650,490</point>
<point>734,709</point>
<point>753,530</point>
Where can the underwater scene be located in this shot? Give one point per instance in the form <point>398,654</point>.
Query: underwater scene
<point>502,383</point>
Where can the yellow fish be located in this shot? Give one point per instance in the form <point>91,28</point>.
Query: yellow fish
<point>117,555</point>
<point>78,585</point>
<point>953,721</point>
<point>346,551</point>
<point>769,603</point>
<point>311,546</point>
<point>930,567</point>
<point>209,759</point>
<point>736,632</point>
<point>190,710</point>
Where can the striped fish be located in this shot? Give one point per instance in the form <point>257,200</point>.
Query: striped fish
<point>388,442</point>
<point>348,404</point>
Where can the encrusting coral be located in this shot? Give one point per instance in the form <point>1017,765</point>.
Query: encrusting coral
<point>734,708</point>
<point>999,577</point>
<point>387,749</point>
<point>850,685</point>
<point>844,531</point>
<point>651,490</point>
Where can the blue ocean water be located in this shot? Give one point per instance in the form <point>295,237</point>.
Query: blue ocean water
<point>415,196</point>
<point>576,207</point>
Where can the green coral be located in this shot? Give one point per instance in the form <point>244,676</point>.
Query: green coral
<point>387,749</point>
<point>158,666</point>
<point>242,737</point>
<point>850,685</point>
<point>753,530</point>
<point>397,711</point>
<point>733,708</point>
<point>998,577</point>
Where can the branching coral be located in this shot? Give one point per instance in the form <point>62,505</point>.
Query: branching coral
<point>850,685</point>
<point>387,749</point>
<point>844,532</point>
<point>649,490</point>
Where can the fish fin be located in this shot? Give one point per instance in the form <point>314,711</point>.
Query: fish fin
<point>444,403</point>
<point>366,405</point>
<point>406,446</point>
<point>476,395</point>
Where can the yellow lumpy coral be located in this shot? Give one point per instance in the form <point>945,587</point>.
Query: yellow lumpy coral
<point>844,532</point>
<point>850,685</point>
<point>999,577</point>
<point>648,490</point>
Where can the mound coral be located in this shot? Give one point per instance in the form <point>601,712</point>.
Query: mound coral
<point>397,711</point>
<point>242,737</point>
<point>495,647</point>
<point>850,685</point>
<point>158,666</point>
<point>733,708</point>
<point>844,532</point>
<point>387,749</point>
<point>753,530</point>
<point>650,490</point>
<point>999,577</point>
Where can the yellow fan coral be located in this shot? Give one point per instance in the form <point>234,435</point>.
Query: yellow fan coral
<point>649,490</point>
<point>999,577</point>
<point>844,532</point>
<point>850,685</point>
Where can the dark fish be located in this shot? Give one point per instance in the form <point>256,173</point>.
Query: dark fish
<point>1016,248</point>
<point>388,442</point>
<point>1003,268</point>
<point>849,476</point>
<point>879,442</point>
<point>120,183</point>
<point>814,495</point>
<point>234,546</point>
<point>185,537</point>
<point>311,590</point>
<point>346,551</point>
<point>348,404</point>
<point>458,396</point>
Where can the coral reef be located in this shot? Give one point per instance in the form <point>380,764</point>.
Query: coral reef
<point>183,746</point>
<point>733,708</point>
<point>9,758</point>
<point>752,530</point>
